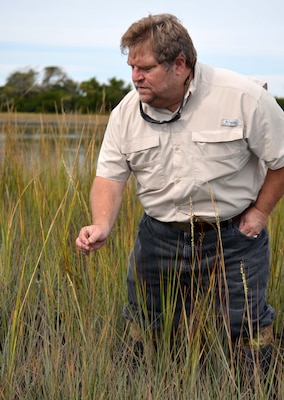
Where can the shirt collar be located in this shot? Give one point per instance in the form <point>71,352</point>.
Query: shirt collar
<point>195,81</point>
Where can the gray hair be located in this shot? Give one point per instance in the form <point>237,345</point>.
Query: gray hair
<point>167,36</point>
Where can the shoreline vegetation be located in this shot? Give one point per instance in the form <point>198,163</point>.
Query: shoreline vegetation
<point>62,333</point>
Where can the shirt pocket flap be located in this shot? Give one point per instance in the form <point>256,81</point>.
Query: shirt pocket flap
<point>141,144</point>
<point>224,135</point>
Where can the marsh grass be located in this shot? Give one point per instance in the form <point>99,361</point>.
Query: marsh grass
<point>62,332</point>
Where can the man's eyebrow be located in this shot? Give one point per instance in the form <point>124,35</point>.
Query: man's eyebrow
<point>143,66</point>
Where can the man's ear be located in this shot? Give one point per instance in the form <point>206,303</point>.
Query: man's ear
<point>180,64</point>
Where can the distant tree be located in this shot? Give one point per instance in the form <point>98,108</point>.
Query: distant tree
<point>280,102</point>
<point>53,77</point>
<point>114,92</point>
<point>57,92</point>
<point>90,87</point>
<point>91,96</point>
<point>19,85</point>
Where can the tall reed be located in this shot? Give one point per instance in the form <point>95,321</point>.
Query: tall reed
<point>62,332</point>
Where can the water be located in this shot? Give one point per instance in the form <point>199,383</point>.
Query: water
<point>30,140</point>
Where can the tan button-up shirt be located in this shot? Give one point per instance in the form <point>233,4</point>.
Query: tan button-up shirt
<point>212,162</point>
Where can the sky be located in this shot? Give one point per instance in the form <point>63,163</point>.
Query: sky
<point>83,37</point>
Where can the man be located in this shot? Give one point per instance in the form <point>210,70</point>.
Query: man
<point>206,147</point>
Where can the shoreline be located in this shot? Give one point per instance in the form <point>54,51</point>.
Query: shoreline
<point>52,119</point>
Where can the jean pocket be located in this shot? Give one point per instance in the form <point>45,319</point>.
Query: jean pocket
<point>244,236</point>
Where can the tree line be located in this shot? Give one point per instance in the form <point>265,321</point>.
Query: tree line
<point>57,92</point>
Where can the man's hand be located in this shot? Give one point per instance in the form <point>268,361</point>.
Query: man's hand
<point>105,198</point>
<point>255,219</point>
<point>91,238</point>
<point>252,222</point>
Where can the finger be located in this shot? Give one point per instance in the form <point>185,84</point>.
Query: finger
<point>81,245</point>
<point>84,236</point>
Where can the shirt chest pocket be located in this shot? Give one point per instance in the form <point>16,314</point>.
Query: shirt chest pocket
<point>218,153</point>
<point>144,158</point>
<point>218,144</point>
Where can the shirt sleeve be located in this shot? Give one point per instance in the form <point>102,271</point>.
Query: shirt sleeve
<point>112,164</point>
<point>265,131</point>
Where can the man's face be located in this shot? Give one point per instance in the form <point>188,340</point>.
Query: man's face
<point>156,85</point>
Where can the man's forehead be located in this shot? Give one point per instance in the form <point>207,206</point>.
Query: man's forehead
<point>141,54</point>
<point>141,59</point>
<point>141,49</point>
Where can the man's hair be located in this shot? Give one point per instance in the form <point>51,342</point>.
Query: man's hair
<point>167,37</point>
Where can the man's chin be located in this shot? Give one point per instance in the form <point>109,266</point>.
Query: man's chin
<point>146,100</point>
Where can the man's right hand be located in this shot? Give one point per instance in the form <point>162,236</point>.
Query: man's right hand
<point>91,238</point>
<point>105,199</point>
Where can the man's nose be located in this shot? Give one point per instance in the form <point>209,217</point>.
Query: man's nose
<point>137,74</point>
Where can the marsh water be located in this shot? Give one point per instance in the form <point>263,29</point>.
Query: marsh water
<point>32,138</point>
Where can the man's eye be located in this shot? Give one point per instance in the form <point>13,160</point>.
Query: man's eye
<point>149,68</point>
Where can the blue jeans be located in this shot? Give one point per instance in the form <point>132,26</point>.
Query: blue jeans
<point>167,262</point>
